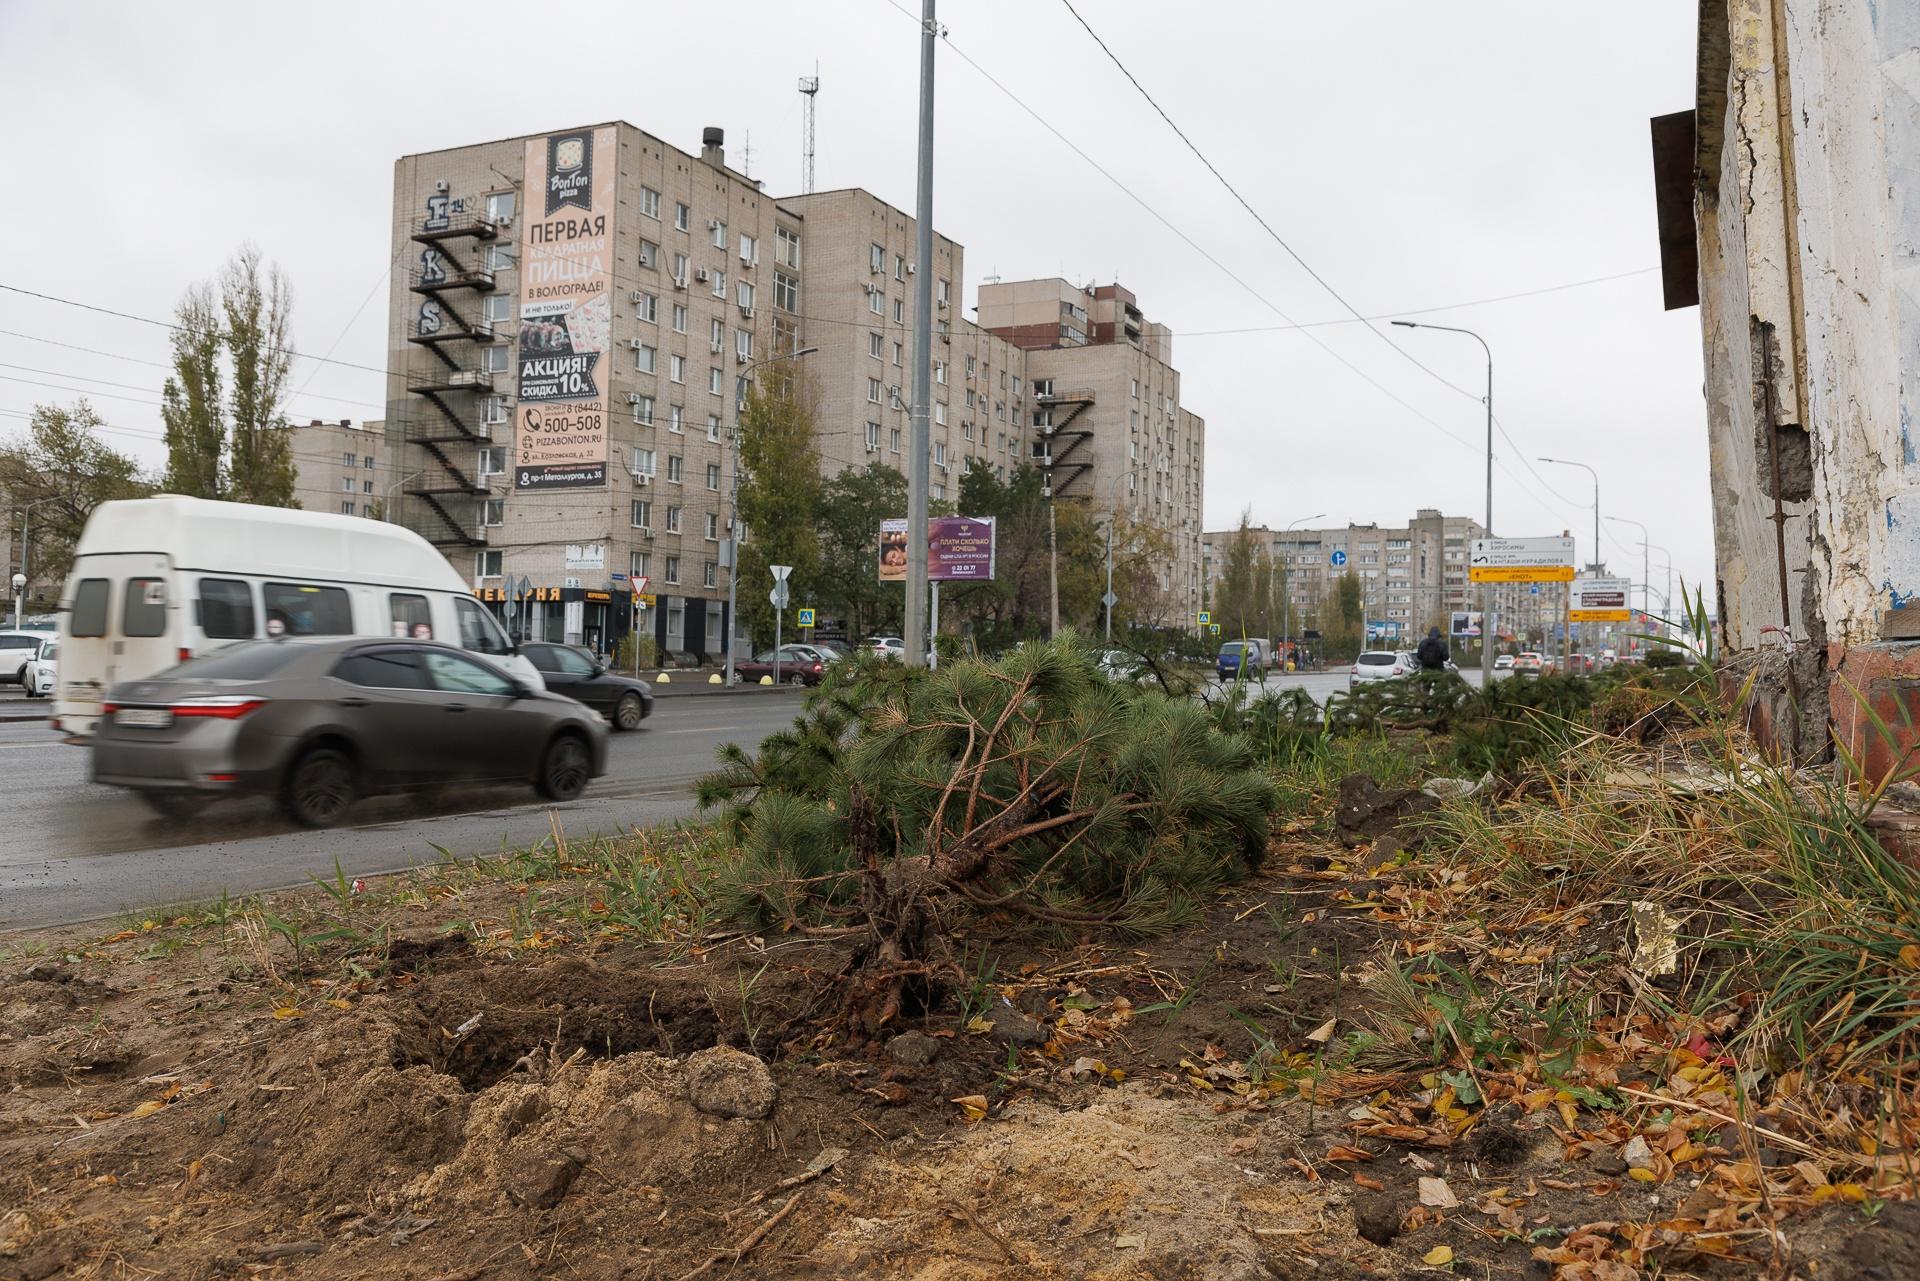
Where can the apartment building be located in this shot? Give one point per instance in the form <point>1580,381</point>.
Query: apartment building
<point>1108,424</point>
<point>1411,576</point>
<point>579,318</point>
<point>341,467</point>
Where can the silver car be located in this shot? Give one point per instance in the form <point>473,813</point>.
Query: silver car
<point>1381,665</point>
<point>316,722</point>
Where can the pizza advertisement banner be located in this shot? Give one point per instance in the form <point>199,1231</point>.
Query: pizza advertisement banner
<point>566,312</point>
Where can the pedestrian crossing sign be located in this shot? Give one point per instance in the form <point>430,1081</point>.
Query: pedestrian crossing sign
<point>1206,617</point>
<point>806,618</point>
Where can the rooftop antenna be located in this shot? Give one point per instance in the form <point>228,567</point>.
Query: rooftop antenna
<point>809,88</point>
<point>746,155</point>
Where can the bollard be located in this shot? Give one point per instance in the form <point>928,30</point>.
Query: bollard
<point>714,679</point>
<point>766,680</point>
<point>663,679</point>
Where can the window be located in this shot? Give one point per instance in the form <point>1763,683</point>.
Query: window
<point>682,215</point>
<point>558,658</point>
<point>749,249</point>
<point>351,460</point>
<point>743,343</point>
<point>876,257</point>
<point>649,255</point>
<point>966,430</point>
<point>1133,388</point>
<point>1016,384</point>
<point>899,311</point>
<point>478,631</point>
<point>642,513</point>
<point>680,270</point>
<point>940,372</point>
<point>493,360</point>
<point>873,391</point>
<point>673,569</point>
<point>300,610</point>
<point>499,256</point>
<point>677,369</point>
<point>743,294</point>
<point>940,413</point>
<point>713,477</point>
<point>893,440</point>
<point>876,347</point>
<point>873,435</point>
<point>713,529</point>
<point>676,472</point>
<point>497,309</point>
<point>673,520</point>
<point>713,427</point>
<point>939,454</point>
<point>708,572</point>
<point>645,358</point>
<point>676,419</point>
<point>679,318</point>
<point>899,267</point>
<point>649,202</point>
<point>457,674</point>
<point>366,487</point>
<point>346,484</point>
<point>716,381</point>
<point>944,292</point>
<point>897,352</point>
<point>643,410</point>
<point>648,308</point>
<point>642,460</point>
<point>1133,420</point>
<point>226,608</point>
<point>493,512</point>
<point>786,246</point>
<point>970,366</point>
<point>717,335</point>
<point>877,302</point>
<point>640,564</point>
<point>499,206</point>
<point>493,460</point>
<point>719,234</point>
<point>410,615</point>
<point>719,284</point>
<point>367,462</point>
<point>346,507</point>
<point>494,411</point>
<point>487,565</point>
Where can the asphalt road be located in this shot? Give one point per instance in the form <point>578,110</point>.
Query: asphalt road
<point>1334,680</point>
<point>71,850</point>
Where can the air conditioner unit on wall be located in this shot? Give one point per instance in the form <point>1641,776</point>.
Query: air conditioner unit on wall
<point>633,398</point>
<point>635,296</point>
<point>635,343</point>
<point>700,274</point>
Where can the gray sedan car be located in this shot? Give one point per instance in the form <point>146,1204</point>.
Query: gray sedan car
<point>317,721</point>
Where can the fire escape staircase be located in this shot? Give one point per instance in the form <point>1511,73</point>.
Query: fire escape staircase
<point>1061,441</point>
<point>448,490</point>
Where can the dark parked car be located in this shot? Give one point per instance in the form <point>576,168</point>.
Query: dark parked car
<point>318,721</point>
<point>799,665</point>
<point>572,671</point>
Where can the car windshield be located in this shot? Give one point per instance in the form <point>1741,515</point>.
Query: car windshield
<point>1230,649</point>
<point>17,641</point>
<point>1378,660</point>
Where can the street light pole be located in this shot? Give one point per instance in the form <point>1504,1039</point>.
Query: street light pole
<point>1646,567</point>
<point>1563,462</point>
<point>21,579</point>
<point>1286,592</point>
<point>920,430</point>
<point>1486,593</point>
<point>733,507</point>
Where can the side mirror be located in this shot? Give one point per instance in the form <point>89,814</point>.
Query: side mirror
<point>522,690</point>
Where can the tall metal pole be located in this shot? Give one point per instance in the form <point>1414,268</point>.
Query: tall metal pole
<point>1053,568</point>
<point>919,445</point>
<point>1486,591</point>
<point>1107,600</point>
<point>1286,591</point>
<point>1646,562</point>
<point>732,623</point>
<point>1564,462</point>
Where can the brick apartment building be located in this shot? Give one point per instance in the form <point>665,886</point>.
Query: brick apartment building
<point>580,314</point>
<point>341,467</point>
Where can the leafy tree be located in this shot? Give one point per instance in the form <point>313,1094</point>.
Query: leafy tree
<point>1014,605</point>
<point>1143,556</point>
<point>1350,627</point>
<point>1245,590</point>
<point>62,465</point>
<point>852,505</point>
<point>222,444</point>
<point>780,492</point>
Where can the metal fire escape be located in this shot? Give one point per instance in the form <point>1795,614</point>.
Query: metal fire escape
<point>447,391</point>
<point>1059,440</point>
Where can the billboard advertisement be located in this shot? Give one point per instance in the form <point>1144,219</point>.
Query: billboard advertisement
<point>960,549</point>
<point>566,312</point>
<point>1465,623</point>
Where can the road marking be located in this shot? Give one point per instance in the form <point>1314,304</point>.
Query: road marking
<point>703,729</point>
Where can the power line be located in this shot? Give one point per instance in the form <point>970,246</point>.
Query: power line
<point>1416,311</point>
<point>85,378</point>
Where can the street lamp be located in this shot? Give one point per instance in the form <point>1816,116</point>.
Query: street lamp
<point>19,598</point>
<point>1486,610</point>
<point>1646,572</point>
<point>1562,462</point>
<point>20,579</point>
<point>1286,592</point>
<point>733,505</point>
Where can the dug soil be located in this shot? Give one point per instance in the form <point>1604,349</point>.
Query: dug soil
<point>1121,1110</point>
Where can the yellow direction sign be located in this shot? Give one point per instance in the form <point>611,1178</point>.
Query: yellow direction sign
<point>1600,600</point>
<point>1520,574</point>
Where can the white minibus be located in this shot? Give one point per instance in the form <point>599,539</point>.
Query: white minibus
<point>157,581</point>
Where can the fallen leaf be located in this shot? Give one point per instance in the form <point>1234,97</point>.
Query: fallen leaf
<point>147,1109</point>
<point>1129,1242</point>
<point>1910,956</point>
<point>289,1012</point>
<point>1369,1182</point>
<point>339,1004</point>
<point>1640,1174</point>
<point>1436,1193</point>
<point>1322,1034</point>
<point>974,1106</point>
<point>1242,1146</point>
<point>1341,1152</point>
<point>1438,1257</point>
<point>979,1025</point>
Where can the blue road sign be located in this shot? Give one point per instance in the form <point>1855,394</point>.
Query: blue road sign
<point>1338,558</point>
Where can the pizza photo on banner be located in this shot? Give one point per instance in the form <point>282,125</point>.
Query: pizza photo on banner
<point>566,312</point>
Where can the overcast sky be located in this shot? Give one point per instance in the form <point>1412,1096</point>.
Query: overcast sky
<point>1415,155</point>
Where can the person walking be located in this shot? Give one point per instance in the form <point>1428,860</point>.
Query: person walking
<point>1432,653</point>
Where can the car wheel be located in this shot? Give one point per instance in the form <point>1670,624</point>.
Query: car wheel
<point>797,678</point>
<point>319,788</point>
<point>174,804</point>
<point>629,712</point>
<point>564,769</point>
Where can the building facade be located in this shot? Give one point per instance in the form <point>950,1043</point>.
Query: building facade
<point>341,467</point>
<point>581,315</point>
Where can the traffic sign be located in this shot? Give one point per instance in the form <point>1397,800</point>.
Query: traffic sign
<point>1109,600</point>
<point>1520,560</point>
<point>780,572</point>
<point>1338,558</point>
<point>1600,600</point>
<point>640,582</point>
<point>1214,628</point>
<point>778,596</point>
<point>806,618</point>
<point>1206,616</point>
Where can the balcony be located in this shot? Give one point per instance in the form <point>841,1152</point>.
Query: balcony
<point>476,225</point>
<point>447,274</point>
<point>1065,396</point>
<point>443,380</point>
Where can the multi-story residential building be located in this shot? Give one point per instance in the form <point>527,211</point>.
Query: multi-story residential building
<point>1108,423</point>
<point>1411,577</point>
<point>576,327</point>
<point>341,467</point>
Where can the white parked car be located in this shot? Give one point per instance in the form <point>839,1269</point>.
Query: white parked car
<point>40,675</point>
<point>1381,665</point>
<point>887,646</point>
<point>17,649</point>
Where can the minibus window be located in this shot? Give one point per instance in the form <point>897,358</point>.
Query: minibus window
<point>145,610</point>
<point>226,609</point>
<point>306,611</point>
<point>411,617</point>
<point>89,608</point>
<point>478,631</point>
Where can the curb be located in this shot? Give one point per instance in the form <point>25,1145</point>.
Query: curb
<point>693,690</point>
<point>24,718</point>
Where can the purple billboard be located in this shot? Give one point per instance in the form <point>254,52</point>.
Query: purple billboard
<point>959,550</point>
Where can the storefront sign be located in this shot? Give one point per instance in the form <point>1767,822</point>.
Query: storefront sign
<point>566,312</point>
